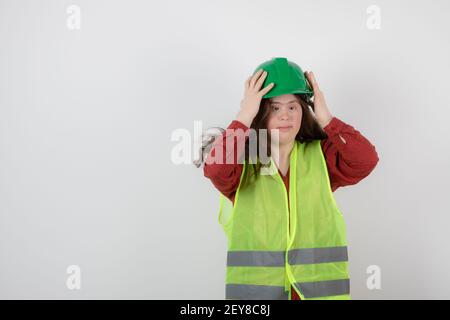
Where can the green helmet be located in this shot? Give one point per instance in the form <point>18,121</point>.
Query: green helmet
<point>287,76</point>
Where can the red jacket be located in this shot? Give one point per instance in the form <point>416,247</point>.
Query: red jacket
<point>350,157</point>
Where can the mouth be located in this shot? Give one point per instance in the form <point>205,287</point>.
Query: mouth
<point>284,129</point>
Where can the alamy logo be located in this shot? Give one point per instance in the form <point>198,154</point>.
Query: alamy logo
<point>374,280</point>
<point>374,19</point>
<point>224,147</point>
<point>73,282</point>
<point>73,21</point>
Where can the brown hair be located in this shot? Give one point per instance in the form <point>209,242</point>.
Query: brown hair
<point>309,130</point>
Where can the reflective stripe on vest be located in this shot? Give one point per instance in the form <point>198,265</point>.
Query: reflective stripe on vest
<point>317,255</point>
<point>315,289</point>
<point>255,292</point>
<point>295,256</point>
<point>319,289</point>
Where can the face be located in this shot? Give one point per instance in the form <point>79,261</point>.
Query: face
<point>286,116</point>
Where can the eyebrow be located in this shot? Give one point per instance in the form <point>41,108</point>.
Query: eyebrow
<point>276,102</point>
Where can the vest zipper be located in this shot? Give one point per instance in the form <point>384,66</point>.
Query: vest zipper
<point>290,276</point>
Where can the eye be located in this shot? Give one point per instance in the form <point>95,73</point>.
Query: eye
<point>293,107</point>
<point>275,108</point>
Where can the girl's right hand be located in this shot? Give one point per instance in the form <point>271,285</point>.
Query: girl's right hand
<point>253,96</point>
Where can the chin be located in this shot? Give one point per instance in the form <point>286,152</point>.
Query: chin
<point>285,140</point>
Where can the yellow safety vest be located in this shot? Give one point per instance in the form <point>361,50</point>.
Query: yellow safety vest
<point>266,254</point>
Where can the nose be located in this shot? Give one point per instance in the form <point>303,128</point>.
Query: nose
<point>284,114</point>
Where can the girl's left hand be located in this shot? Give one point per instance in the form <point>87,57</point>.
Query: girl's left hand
<point>323,115</point>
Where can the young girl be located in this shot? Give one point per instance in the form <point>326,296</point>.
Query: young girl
<point>286,235</point>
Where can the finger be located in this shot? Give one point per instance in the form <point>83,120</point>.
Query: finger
<point>313,80</point>
<point>267,89</point>
<point>308,81</point>
<point>255,77</point>
<point>247,82</point>
<point>308,77</point>
<point>260,81</point>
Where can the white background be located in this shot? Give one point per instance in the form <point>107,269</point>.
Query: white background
<point>86,118</point>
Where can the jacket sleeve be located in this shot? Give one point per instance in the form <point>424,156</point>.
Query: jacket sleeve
<point>350,157</point>
<point>225,175</point>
